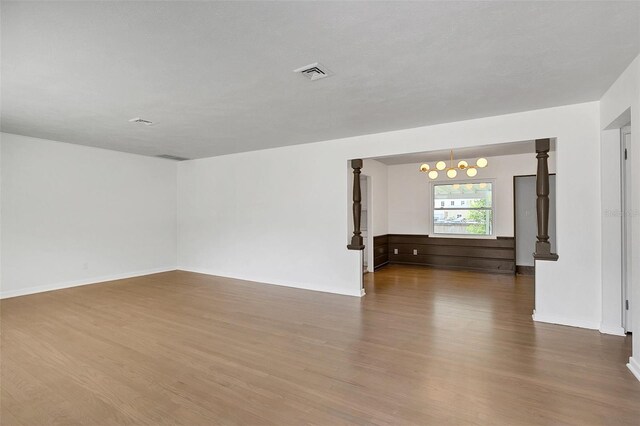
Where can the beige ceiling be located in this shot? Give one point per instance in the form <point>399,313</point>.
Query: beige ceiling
<point>216,77</point>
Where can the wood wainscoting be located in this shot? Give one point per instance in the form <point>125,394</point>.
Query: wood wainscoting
<point>380,251</point>
<point>491,255</point>
<point>525,270</point>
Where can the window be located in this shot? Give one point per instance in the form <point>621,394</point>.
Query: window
<point>473,217</point>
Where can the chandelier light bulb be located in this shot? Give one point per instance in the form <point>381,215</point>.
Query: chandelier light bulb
<point>451,169</point>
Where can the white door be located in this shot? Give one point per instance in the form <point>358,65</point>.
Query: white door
<point>625,135</point>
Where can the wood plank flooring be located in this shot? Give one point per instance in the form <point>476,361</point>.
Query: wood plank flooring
<point>424,346</point>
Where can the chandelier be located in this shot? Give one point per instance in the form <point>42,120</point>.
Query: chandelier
<point>452,171</point>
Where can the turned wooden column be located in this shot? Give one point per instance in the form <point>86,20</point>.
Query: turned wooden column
<point>356,239</point>
<point>543,248</point>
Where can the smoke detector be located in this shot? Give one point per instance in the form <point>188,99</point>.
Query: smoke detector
<point>141,121</point>
<point>314,71</point>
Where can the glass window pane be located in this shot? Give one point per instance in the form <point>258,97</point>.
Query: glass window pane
<point>477,194</point>
<point>463,208</point>
<point>463,222</point>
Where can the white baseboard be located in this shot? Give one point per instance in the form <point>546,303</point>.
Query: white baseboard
<point>614,330</point>
<point>302,286</point>
<point>76,283</point>
<point>571,322</point>
<point>362,293</point>
<point>634,366</point>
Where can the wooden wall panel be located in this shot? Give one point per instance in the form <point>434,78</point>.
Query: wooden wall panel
<point>492,255</point>
<point>380,251</point>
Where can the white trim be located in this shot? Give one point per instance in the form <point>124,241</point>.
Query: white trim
<point>626,195</point>
<point>76,283</point>
<point>571,322</point>
<point>465,236</point>
<point>301,286</point>
<point>634,366</point>
<point>362,293</point>
<point>369,207</point>
<point>614,330</point>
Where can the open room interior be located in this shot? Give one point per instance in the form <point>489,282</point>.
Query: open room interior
<point>319,212</point>
<point>408,205</point>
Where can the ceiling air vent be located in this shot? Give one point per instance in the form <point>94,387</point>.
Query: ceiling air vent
<point>314,71</point>
<point>141,121</point>
<point>171,157</point>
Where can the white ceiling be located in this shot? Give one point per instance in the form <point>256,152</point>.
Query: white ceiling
<point>512,148</point>
<point>217,77</point>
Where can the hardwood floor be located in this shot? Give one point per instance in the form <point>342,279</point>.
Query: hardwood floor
<point>424,346</point>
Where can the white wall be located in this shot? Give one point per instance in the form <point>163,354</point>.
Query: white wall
<point>409,192</point>
<point>611,235</point>
<point>280,215</point>
<point>624,94</point>
<point>526,226</point>
<point>275,216</point>
<point>575,279</point>
<point>377,175</point>
<point>74,215</point>
<point>377,171</point>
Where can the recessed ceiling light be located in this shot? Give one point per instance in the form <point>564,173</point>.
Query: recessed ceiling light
<point>314,71</point>
<point>141,121</point>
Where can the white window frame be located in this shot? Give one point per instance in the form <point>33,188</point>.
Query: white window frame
<point>494,215</point>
